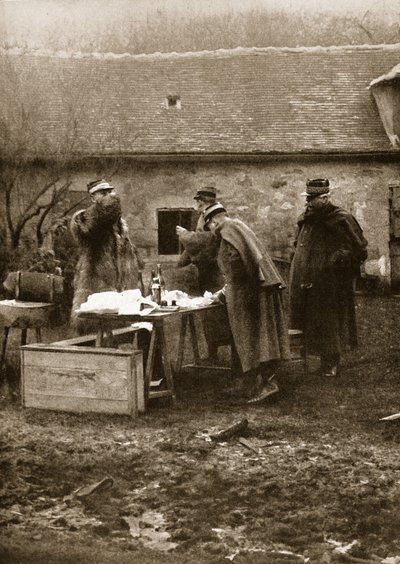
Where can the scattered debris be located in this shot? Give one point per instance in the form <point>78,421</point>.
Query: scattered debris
<point>343,553</point>
<point>340,547</point>
<point>390,417</point>
<point>233,555</point>
<point>248,444</point>
<point>234,430</point>
<point>149,528</point>
<point>103,485</point>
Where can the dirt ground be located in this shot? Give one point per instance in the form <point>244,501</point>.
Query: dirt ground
<point>317,481</point>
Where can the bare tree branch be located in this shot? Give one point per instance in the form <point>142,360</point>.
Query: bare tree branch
<point>58,195</point>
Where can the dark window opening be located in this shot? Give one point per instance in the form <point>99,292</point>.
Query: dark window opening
<point>168,219</point>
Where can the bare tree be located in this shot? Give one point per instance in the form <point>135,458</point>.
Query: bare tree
<point>29,190</point>
<point>166,30</point>
<point>43,132</point>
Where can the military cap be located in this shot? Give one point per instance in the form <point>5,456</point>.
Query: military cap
<point>212,211</point>
<point>207,191</point>
<point>97,185</point>
<point>316,187</point>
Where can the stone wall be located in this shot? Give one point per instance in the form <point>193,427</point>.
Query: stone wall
<point>266,195</point>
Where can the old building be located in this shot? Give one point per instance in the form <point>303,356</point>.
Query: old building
<point>254,122</point>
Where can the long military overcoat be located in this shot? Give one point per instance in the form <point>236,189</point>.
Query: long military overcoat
<point>253,294</point>
<point>329,250</point>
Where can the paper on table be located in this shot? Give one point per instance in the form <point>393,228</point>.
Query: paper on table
<point>184,300</point>
<point>142,325</point>
<point>130,302</point>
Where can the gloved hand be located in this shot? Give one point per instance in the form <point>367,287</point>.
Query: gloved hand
<point>341,259</point>
<point>218,297</point>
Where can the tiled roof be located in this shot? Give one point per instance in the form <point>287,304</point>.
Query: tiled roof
<point>393,74</point>
<point>305,100</point>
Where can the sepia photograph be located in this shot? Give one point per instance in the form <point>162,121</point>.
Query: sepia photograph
<point>199,281</point>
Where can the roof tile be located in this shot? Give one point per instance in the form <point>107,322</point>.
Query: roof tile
<point>239,100</point>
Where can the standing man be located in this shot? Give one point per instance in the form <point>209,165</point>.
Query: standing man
<point>329,249</point>
<point>200,246</point>
<point>201,249</point>
<point>253,296</point>
<point>108,261</point>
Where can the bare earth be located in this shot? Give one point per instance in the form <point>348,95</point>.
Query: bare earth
<point>320,482</point>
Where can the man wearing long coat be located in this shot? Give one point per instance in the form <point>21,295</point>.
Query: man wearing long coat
<point>329,249</point>
<point>201,249</point>
<point>108,260</point>
<point>253,295</point>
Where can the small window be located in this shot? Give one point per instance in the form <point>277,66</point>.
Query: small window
<point>173,101</point>
<point>168,219</point>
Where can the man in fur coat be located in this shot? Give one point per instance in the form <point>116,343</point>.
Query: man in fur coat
<point>108,261</point>
<point>329,250</point>
<point>253,295</point>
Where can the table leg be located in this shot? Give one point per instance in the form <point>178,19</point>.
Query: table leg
<point>38,335</point>
<point>3,348</point>
<point>150,364</point>
<point>181,343</point>
<point>166,362</point>
<point>193,336</point>
<point>99,337</point>
<point>24,334</point>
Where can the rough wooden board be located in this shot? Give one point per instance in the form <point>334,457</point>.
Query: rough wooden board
<point>393,417</point>
<point>77,405</point>
<point>77,382</point>
<point>65,360</point>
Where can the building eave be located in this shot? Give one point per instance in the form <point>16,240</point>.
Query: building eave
<point>223,157</point>
<point>245,157</point>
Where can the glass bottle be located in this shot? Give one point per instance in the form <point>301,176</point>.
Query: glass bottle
<point>156,290</point>
<point>161,280</point>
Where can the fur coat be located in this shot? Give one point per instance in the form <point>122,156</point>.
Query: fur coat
<point>201,249</point>
<point>108,261</point>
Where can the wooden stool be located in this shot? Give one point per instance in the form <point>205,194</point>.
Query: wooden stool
<point>23,316</point>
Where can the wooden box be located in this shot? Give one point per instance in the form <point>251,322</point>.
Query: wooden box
<point>82,379</point>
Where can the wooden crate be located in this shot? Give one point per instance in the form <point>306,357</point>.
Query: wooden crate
<point>82,379</point>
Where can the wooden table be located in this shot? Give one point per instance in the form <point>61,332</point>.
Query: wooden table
<point>158,341</point>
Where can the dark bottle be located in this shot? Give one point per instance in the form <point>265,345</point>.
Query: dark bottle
<point>140,284</point>
<point>155,289</point>
<point>161,280</point>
